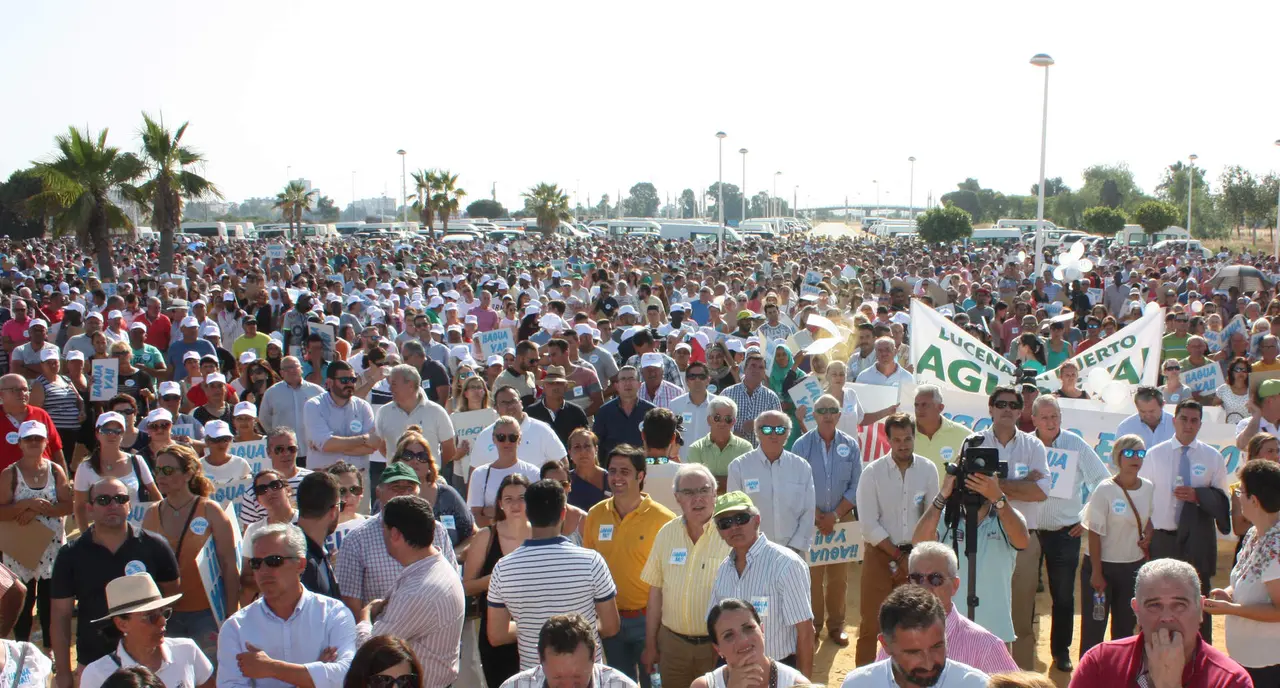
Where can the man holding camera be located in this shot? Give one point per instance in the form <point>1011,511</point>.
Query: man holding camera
<point>1026,485</point>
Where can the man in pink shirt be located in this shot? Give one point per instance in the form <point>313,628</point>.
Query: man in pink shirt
<point>14,332</point>
<point>486,317</point>
<point>933,565</point>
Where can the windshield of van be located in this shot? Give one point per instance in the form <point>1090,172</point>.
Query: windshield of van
<point>201,231</point>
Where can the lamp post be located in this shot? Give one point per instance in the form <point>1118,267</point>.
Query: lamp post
<point>720,188</point>
<point>774,201</point>
<point>795,202</point>
<point>1042,60</point>
<point>877,183</point>
<point>1276,230</point>
<point>353,195</point>
<point>403,196</point>
<point>911,194</point>
<point>744,183</point>
<point>1191,188</point>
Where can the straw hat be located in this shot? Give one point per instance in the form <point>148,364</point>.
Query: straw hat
<point>135,593</point>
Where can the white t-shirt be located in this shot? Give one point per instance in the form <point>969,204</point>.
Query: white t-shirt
<point>878,675</point>
<point>36,667</point>
<point>1253,643</point>
<point>1109,515</point>
<point>538,445</point>
<point>185,666</point>
<point>483,489</point>
<point>235,469</point>
<point>86,477</point>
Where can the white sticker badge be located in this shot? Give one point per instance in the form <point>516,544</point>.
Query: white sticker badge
<point>606,533</point>
<point>356,426</point>
<point>761,603</point>
<point>679,556</point>
<point>134,567</point>
<point>449,523</point>
<point>1119,506</point>
<point>752,485</point>
<point>11,438</point>
<point>199,525</point>
<point>843,451</point>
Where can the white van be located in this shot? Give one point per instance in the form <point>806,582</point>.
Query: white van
<point>694,230</point>
<point>634,226</point>
<point>1025,225</point>
<point>1135,235</point>
<point>346,229</point>
<point>993,236</point>
<point>238,230</point>
<point>205,230</point>
<point>275,230</point>
<point>318,232</point>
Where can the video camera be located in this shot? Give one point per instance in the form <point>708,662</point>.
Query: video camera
<point>976,459</point>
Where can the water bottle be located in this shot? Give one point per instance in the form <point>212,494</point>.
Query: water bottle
<point>1099,606</point>
<point>655,679</point>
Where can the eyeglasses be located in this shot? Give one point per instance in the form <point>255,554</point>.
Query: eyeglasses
<point>346,380</point>
<point>159,425</point>
<point>696,376</point>
<point>154,617</point>
<point>700,492</point>
<point>274,485</point>
<point>384,681</point>
<point>354,491</point>
<point>168,470</point>
<point>1133,453</point>
<point>722,419</point>
<point>218,440</point>
<point>826,411</point>
<point>773,430</point>
<point>420,457</point>
<point>1239,370</point>
<point>103,500</point>
<point>274,561</point>
<point>933,580</point>
<point>19,390</point>
<point>127,411</point>
<point>111,431</point>
<point>506,437</point>
<point>465,374</point>
<point>738,519</point>
<point>281,449</point>
<point>1004,404</point>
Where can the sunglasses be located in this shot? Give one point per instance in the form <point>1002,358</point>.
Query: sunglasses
<point>346,380</point>
<point>505,437</point>
<point>933,580</point>
<point>1133,453</point>
<point>354,491</point>
<point>384,681</point>
<point>168,470</point>
<point>826,411</point>
<point>738,519</point>
<point>274,561</point>
<point>1003,404</point>
<point>218,440</point>
<point>696,376</point>
<point>656,460</point>
<point>420,457</point>
<point>1239,370</point>
<point>171,397</point>
<point>274,485</point>
<point>465,374</point>
<point>284,449</point>
<point>103,500</point>
<point>111,431</point>
<point>722,419</point>
<point>773,430</point>
<point>159,425</point>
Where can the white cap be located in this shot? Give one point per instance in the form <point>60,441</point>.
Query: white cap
<point>170,387</point>
<point>437,328</point>
<point>471,320</point>
<point>332,320</point>
<point>532,310</point>
<point>677,308</point>
<point>435,302</point>
<point>228,296</point>
<point>190,321</point>
<point>215,377</point>
<point>159,414</point>
<point>735,345</point>
<point>32,428</point>
<point>191,356</point>
<point>631,332</point>
<point>75,355</point>
<point>73,306</point>
<point>627,310</point>
<point>451,307</point>
<point>493,361</point>
<point>110,417</point>
<point>48,354</point>
<point>246,408</point>
<point>210,329</point>
<point>651,360</point>
<point>684,346</point>
<point>96,314</point>
<point>138,325</point>
<point>582,328</point>
<point>249,356</point>
<point>555,274</point>
<point>37,322</point>
<point>454,328</point>
<point>452,294</point>
<point>460,351</point>
<point>215,429</point>
<point>112,315</point>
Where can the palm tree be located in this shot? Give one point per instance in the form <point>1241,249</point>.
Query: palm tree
<point>81,180</point>
<point>549,204</point>
<point>447,198</point>
<point>166,162</point>
<point>423,182</point>
<point>293,202</point>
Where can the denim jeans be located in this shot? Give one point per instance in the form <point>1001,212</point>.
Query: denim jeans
<point>199,626</point>
<point>622,651</point>
<point>1061,558</point>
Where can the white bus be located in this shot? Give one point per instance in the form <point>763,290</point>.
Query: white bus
<point>275,230</point>
<point>318,232</point>
<point>693,230</point>
<point>995,236</point>
<point>206,230</point>
<point>346,229</point>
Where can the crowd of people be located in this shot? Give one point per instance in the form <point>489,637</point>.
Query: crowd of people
<point>584,463</point>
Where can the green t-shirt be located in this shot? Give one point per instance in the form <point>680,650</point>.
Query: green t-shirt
<point>148,356</point>
<point>1174,346</point>
<point>257,343</point>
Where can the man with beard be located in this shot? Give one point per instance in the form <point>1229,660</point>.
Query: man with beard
<point>318,509</point>
<point>340,426</point>
<point>913,632</point>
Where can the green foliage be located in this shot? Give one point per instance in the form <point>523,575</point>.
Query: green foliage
<point>326,210</point>
<point>945,225</point>
<point>486,208</point>
<point>964,199</point>
<point>688,204</point>
<point>1052,187</point>
<point>550,205</point>
<point>424,181</point>
<point>732,203</point>
<point>1104,221</point>
<point>447,197</point>
<point>20,219</point>
<point>643,201</point>
<point>292,202</point>
<point>1155,216</point>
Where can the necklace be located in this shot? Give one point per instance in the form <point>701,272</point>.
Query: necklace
<point>179,509</point>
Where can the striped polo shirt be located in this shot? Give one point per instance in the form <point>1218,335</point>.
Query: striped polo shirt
<point>546,577</point>
<point>776,582</point>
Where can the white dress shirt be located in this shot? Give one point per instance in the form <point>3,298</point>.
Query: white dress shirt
<point>873,376</point>
<point>891,502</point>
<point>1208,469</point>
<point>1024,454</point>
<point>694,418</point>
<point>316,623</point>
<point>1133,425</point>
<point>783,492</point>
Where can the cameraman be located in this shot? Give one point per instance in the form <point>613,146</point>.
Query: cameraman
<point>1002,534</point>
<point>1027,485</point>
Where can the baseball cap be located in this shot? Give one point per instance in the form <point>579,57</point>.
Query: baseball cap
<point>1268,388</point>
<point>170,387</point>
<point>215,429</point>
<point>493,361</point>
<point>159,414</point>
<point>398,471</point>
<point>582,328</point>
<point>246,408</point>
<point>732,501</point>
<point>48,354</point>
<point>651,360</point>
<point>110,417</point>
<point>138,325</point>
<point>215,377</point>
<point>74,355</point>
<point>249,356</point>
<point>32,428</point>
<point>745,314</point>
<point>190,321</point>
<point>38,322</point>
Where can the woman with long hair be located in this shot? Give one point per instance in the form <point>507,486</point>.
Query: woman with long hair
<point>720,368</point>
<point>737,634</point>
<point>1031,353</point>
<point>589,481</point>
<point>133,381</point>
<point>509,531</point>
<point>274,494</point>
<point>350,489</point>
<point>257,378</point>
<point>109,460</point>
<point>58,396</point>
<point>187,519</point>
<point>471,394</point>
<point>528,327</point>
<point>450,508</point>
<point>1234,393</point>
<point>384,661</point>
<point>35,489</point>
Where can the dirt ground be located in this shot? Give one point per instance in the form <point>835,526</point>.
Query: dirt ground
<point>833,662</point>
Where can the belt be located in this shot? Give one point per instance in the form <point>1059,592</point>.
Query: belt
<point>1166,532</point>
<point>691,639</point>
<point>905,549</point>
<point>631,613</point>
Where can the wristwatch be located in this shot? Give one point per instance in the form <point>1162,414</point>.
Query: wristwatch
<point>1001,503</point>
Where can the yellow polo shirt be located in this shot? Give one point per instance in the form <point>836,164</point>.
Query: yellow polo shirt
<point>945,446</point>
<point>686,572</point>
<point>624,542</point>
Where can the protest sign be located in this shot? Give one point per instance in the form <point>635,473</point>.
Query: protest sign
<point>254,452</point>
<point>275,251</point>
<point>799,341</point>
<point>1062,471</point>
<point>210,568</point>
<point>138,511</point>
<point>466,426</point>
<point>1214,339</point>
<point>494,342</point>
<point>229,494</point>
<point>847,272</point>
<point>1204,379</point>
<point>809,289</point>
<point>806,394</point>
<point>812,277</point>
<point>25,543</point>
<point>106,379</point>
<point>183,430</point>
<point>842,546</point>
<point>110,288</point>
<point>327,333</point>
<point>1095,296</point>
<point>873,398</point>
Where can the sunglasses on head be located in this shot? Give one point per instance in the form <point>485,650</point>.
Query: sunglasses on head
<point>274,485</point>
<point>354,490</point>
<point>506,437</point>
<point>384,681</point>
<point>773,429</point>
<point>1005,404</point>
<point>420,457</point>
<point>168,470</point>
<point>103,500</point>
<point>274,561</point>
<point>722,419</point>
<point>933,580</point>
<point>1133,453</point>
<point>741,518</point>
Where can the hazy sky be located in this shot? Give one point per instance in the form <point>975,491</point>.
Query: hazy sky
<point>597,96</point>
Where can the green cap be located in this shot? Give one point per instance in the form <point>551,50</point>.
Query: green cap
<point>745,315</point>
<point>1268,388</point>
<point>731,501</point>
<point>395,472</point>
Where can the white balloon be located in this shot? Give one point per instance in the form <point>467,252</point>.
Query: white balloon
<point>1151,307</point>
<point>1059,274</point>
<point>1071,272</point>
<point>1196,306</point>
<point>1085,265</point>
<point>1097,380</point>
<point>1077,250</point>
<point>1062,259</point>
<point>1115,395</point>
<point>1022,256</point>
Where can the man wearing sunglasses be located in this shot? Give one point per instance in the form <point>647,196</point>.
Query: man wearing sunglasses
<point>289,635</point>
<point>772,577</point>
<point>340,426</point>
<point>108,549</point>
<point>720,446</point>
<point>779,483</point>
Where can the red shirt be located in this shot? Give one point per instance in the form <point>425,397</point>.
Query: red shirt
<point>157,331</point>
<point>1123,659</point>
<point>10,452</point>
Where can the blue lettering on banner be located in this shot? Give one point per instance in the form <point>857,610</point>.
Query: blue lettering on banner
<point>211,576</point>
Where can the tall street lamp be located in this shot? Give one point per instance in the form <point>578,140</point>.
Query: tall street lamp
<point>720,187</point>
<point>1042,60</point>
<point>403,196</point>
<point>774,200</point>
<point>1191,188</point>
<point>353,195</point>
<point>877,183</point>
<point>744,183</point>
<point>795,201</point>
<point>1276,230</point>
<point>911,194</point>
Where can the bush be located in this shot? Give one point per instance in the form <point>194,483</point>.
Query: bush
<point>945,225</point>
<point>1155,216</point>
<point>1104,221</point>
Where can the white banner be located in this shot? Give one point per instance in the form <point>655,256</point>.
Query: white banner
<point>211,571</point>
<point>1130,356</point>
<point>842,546</point>
<point>806,394</point>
